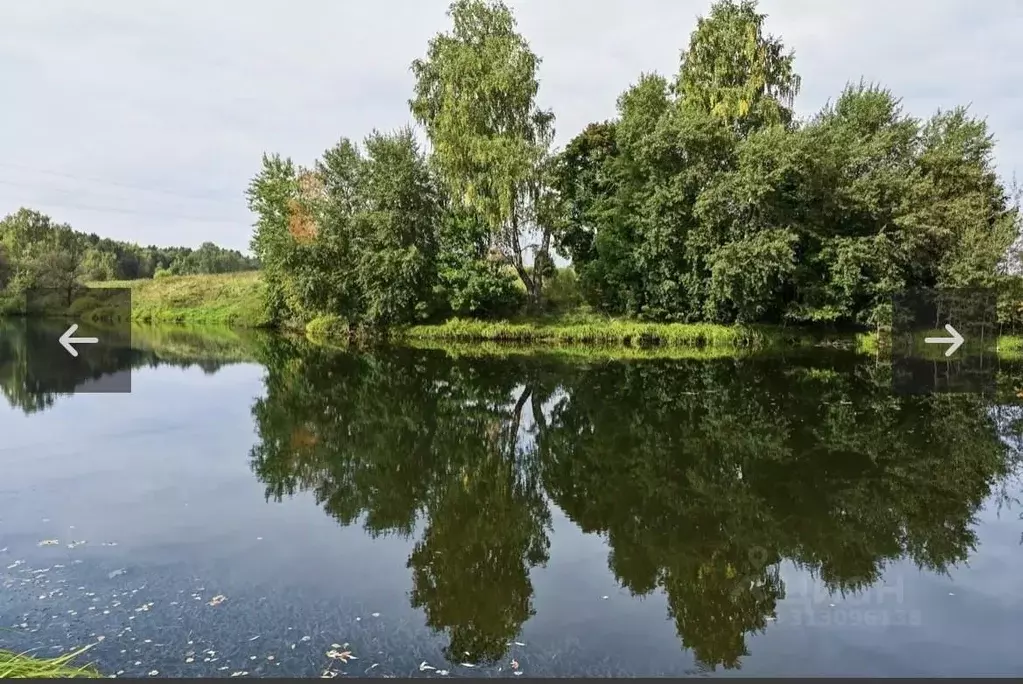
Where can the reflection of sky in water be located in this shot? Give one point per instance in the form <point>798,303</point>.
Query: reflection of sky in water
<point>164,475</point>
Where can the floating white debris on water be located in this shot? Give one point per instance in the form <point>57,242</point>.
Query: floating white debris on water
<point>336,646</point>
<point>189,660</point>
<point>252,657</point>
<point>153,673</point>
<point>239,674</point>
<point>49,542</point>
<point>518,673</point>
<point>306,638</point>
<point>252,639</point>
<point>217,600</point>
<point>76,544</point>
<point>468,665</point>
<point>376,614</point>
<point>374,665</point>
<point>270,658</point>
<point>423,667</point>
<point>604,598</point>
<point>343,656</point>
<point>519,643</point>
<point>109,544</point>
<point>442,672</point>
<point>116,573</point>
<point>514,664</point>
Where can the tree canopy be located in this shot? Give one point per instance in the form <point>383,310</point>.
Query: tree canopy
<point>704,199</point>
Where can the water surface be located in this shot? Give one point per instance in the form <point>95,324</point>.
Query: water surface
<point>256,503</point>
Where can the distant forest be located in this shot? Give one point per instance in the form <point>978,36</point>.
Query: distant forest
<point>36,252</point>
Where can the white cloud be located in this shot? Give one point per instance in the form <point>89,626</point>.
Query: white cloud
<point>183,98</point>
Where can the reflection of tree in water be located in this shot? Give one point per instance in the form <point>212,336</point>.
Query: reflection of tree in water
<point>400,436</point>
<point>702,475</point>
<point>35,370</point>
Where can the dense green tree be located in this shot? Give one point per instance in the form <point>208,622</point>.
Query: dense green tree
<point>704,199</point>
<point>475,95</point>
<point>355,237</point>
<point>709,202</point>
<point>734,71</point>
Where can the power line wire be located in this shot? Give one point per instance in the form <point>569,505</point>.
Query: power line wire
<point>123,210</point>
<point>106,181</point>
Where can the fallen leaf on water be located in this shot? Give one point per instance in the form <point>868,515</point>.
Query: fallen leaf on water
<point>217,600</point>
<point>49,542</point>
<point>515,664</point>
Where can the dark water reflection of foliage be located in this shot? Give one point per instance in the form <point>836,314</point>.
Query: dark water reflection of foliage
<point>702,475</point>
<point>35,370</point>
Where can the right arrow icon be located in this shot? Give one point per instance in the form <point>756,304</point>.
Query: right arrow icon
<point>953,342</point>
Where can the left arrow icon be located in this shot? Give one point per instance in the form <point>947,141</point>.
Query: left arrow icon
<point>69,342</point>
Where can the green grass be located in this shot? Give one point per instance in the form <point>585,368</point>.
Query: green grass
<point>230,299</point>
<point>22,666</point>
<point>592,330</point>
<point>576,352</point>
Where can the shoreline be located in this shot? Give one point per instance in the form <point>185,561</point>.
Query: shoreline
<point>236,301</point>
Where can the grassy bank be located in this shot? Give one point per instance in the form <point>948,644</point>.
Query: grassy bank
<point>236,300</point>
<point>20,666</point>
<point>230,299</point>
<point>592,330</point>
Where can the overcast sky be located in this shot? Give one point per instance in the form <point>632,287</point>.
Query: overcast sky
<point>144,120</point>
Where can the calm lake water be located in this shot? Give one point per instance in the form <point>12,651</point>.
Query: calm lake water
<point>256,503</point>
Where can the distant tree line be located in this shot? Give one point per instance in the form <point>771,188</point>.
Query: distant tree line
<point>36,252</point>
<point>704,199</point>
